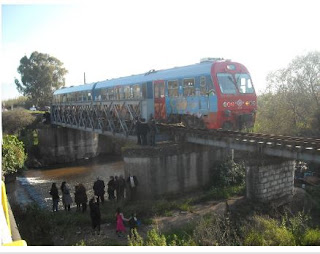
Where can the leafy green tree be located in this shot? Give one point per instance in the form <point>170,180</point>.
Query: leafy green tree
<point>13,155</point>
<point>14,121</point>
<point>41,74</point>
<point>290,106</point>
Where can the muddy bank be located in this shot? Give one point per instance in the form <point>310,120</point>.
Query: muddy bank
<point>34,185</point>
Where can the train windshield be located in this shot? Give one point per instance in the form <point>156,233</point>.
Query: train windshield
<point>226,83</point>
<point>244,83</point>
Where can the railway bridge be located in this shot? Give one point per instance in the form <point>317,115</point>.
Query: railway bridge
<point>186,162</point>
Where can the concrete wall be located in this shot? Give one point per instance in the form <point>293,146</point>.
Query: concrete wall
<point>173,169</point>
<point>270,180</point>
<point>61,145</point>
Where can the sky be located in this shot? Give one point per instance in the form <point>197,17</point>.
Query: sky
<point>110,39</point>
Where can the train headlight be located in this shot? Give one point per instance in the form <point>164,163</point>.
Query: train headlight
<point>225,104</point>
<point>247,103</point>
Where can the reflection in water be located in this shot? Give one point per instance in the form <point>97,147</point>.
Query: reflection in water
<point>35,185</point>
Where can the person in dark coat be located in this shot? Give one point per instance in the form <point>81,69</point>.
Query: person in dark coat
<point>111,188</point>
<point>138,130</point>
<point>95,215</point>
<point>133,223</point>
<point>133,184</point>
<point>116,186</point>
<point>121,188</point>
<point>66,196</point>
<point>144,129</point>
<point>98,188</point>
<point>55,197</point>
<point>77,197</point>
<point>80,197</point>
<point>152,131</point>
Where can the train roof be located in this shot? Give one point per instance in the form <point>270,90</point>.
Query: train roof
<point>185,71</point>
<point>70,89</point>
<point>197,69</point>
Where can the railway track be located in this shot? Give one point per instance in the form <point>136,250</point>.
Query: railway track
<point>278,145</point>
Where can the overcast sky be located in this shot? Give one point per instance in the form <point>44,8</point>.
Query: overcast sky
<point>109,39</point>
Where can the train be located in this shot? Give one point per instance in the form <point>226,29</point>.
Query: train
<point>213,94</point>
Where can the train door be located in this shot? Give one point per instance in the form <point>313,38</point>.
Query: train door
<point>159,99</point>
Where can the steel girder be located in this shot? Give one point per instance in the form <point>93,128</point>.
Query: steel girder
<point>100,117</point>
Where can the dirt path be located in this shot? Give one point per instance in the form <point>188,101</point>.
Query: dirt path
<point>108,236</point>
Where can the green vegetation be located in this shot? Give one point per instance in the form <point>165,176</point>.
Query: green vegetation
<point>16,120</point>
<point>268,232</point>
<point>13,155</point>
<point>20,102</point>
<point>41,74</point>
<point>291,103</point>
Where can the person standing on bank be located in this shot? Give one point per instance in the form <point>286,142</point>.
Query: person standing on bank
<point>120,229</point>
<point>95,215</point>
<point>138,130</point>
<point>121,188</point>
<point>66,196</point>
<point>152,130</point>
<point>83,199</point>
<point>55,197</point>
<point>133,183</point>
<point>144,131</point>
<point>98,188</point>
<point>111,188</point>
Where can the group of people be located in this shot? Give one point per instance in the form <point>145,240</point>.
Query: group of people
<point>116,190</point>
<point>146,131</point>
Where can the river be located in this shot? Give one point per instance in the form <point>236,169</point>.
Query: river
<point>33,185</point>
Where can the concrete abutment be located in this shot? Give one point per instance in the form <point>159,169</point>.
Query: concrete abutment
<point>270,179</point>
<point>172,168</point>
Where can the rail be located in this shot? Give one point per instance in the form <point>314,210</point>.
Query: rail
<point>300,148</point>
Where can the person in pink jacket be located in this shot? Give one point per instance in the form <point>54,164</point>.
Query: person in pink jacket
<point>120,229</point>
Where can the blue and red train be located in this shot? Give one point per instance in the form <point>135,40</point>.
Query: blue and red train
<point>214,94</point>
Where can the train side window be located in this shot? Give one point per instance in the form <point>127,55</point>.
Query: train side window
<point>89,97</point>
<point>203,85</point>
<point>121,93</point>
<point>188,87</point>
<point>144,90</point>
<point>173,88</point>
<point>103,93</point>
<point>84,96</point>
<point>131,91</point>
<point>137,92</point>
<point>110,95</point>
<point>126,92</point>
<point>117,93</point>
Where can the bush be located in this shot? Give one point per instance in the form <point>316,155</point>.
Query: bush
<point>311,238</point>
<point>154,238</point>
<point>267,232</point>
<point>228,173</point>
<point>297,225</point>
<point>16,120</point>
<point>35,225</point>
<point>13,155</point>
<point>216,230</point>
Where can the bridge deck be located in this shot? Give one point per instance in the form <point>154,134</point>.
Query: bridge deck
<point>299,148</point>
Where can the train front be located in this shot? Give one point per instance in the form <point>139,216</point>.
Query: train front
<point>236,97</point>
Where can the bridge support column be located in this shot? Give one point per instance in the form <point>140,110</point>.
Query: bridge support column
<point>62,145</point>
<point>173,169</point>
<point>270,180</point>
